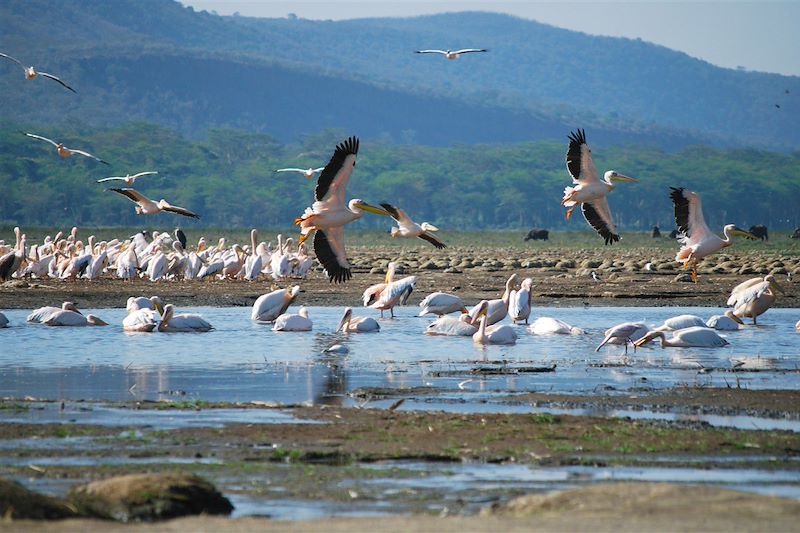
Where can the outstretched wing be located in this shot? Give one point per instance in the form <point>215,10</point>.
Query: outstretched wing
<point>290,170</point>
<point>51,141</point>
<point>335,175</point>
<point>443,52</point>
<point>12,59</point>
<point>433,240</point>
<point>399,215</point>
<point>134,195</point>
<point>330,252</point>
<point>579,159</point>
<point>87,154</point>
<point>689,214</point>
<point>112,178</point>
<point>56,78</point>
<point>146,173</point>
<point>470,50</point>
<point>598,216</point>
<point>166,206</point>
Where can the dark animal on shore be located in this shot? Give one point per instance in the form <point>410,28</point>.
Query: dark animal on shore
<point>760,231</point>
<point>796,234</point>
<point>674,234</point>
<point>656,233</point>
<point>538,234</point>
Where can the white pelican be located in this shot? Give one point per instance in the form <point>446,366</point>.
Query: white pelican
<point>498,334</point>
<point>681,322</point>
<point>797,326</point>
<point>291,322</point>
<point>373,292</point>
<point>129,180</point>
<point>359,324</point>
<point>31,73</point>
<point>441,303</point>
<point>326,218</point>
<point>41,314</point>
<point>452,54</point>
<point>157,266</point>
<point>141,320</point>
<point>623,334</point>
<point>685,338</point>
<point>270,306</point>
<point>127,263</point>
<point>146,206</point>
<point>184,322</point>
<point>590,192</point>
<point>73,319</point>
<point>452,326</point>
<point>13,260</point>
<point>395,293</point>
<point>308,173</point>
<point>753,297</point>
<point>519,302</point>
<point>135,303</point>
<point>254,262</point>
<point>409,228</point>
<point>547,326</point>
<point>726,322</point>
<point>63,151</point>
<point>3,321</point>
<point>337,349</point>
<point>498,308</point>
<point>698,240</point>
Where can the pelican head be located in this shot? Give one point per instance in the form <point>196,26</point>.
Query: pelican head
<point>732,229</point>
<point>773,283</point>
<point>303,312</point>
<point>729,314</point>
<point>358,203</point>
<point>613,175</point>
<point>70,306</point>
<point>428,227</point>
<point>158,305</point>
<point>95,321</point>
<point>346,317</point>
<point>650,336</point>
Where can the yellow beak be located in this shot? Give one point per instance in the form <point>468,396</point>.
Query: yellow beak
<point>372,209</point>
<point>622,177</point>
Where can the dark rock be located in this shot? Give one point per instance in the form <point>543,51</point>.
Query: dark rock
<point>18,503</point>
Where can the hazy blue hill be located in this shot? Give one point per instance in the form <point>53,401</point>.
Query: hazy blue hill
<point>159,61</point>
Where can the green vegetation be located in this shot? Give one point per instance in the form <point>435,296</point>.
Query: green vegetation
<point>227,178</point>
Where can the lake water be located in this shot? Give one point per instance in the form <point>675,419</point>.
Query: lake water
<point>242,361</point>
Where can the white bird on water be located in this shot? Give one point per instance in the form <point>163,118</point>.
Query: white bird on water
<point>441,303</point>
<point>359,324</point>
<point>293,322</point>
<point>623,334</point>
<point>754,297</point>
<point>549,326</point>
<point>497,334</point>
<point>270,306</point>
<point>461,326</point>
<point>182,323</point>
<point>699,337</point>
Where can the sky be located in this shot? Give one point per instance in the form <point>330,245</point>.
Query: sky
<point>761,36</point>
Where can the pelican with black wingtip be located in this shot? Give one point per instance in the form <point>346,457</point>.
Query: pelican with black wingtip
<point>146,206</point>
<point>31,73</point>
<point>589,190</point>
<point>698,240</point>
<point>409,228</point>
<point>65,152</point>
<point>328,215</point>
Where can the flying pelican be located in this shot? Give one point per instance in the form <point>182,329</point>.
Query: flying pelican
<point>498,308</point>
<point>140,320</point>
<point>31,73</point>
<point>441,303</point>
<point>452,326</point>
<point>452,54</point>
<point>519,302</point>
<point>63,151</point>
<point>38,316</point>
<point>3,321</point>
<point>698,241</point>
<point>146,206</point>
<point>685,338</point>
<point>359,324</point>
<point>73,319</point>
<point>547,326</point>
<point>270,306</point>
<point>308,173</point>
<point>725,322</point>
<point>590,192</point>
<point>623,334</point>
<point>753,297</point>
<point>291,322</point>
<point>326,218</point>
<point>128,179</point>
<point>409,228</point>
<point>498,334</point>
<point>184,322</point>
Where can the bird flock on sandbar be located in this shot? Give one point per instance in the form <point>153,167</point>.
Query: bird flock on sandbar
<point>162,256</point>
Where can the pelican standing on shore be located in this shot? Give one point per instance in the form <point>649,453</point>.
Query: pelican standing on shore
<point>698,240</point>
<point>590,191</point>
<point>328,215</point>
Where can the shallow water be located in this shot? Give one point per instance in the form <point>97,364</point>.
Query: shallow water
<point>242,361</point>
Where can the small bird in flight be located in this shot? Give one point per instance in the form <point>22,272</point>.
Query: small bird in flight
<point>31,73</point>
<point>63,151</point>
<point>128,179</point>
<point>452,54</point>
<point>146,206</point>
<point>309,173</point>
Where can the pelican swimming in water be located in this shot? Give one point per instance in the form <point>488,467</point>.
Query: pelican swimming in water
<point>589,190</point>
<point>41,314</point>
<point>3,321</point>
<point>141,320</point>
<point>552,326</point>
<point>129,180</point>
<point>270,306</point>
<point>754,297</point>
<point>441,303</point>
<point>698,240</point>
<point>681,322</point>
<point>291,322</point>
<point>308,173</point>
<point>519,302</point>
<point>135,303</point>
<point>71,318</point>
<point>497,334</point>
<point>409,228</point>
<point>359,324</point>
<point>31,73</point>
<point>326,218</point>
<point>497,308</point>
<point>63,151</point>
<point>694,337</point>
<point>725,322</point>
<point>452,54</point>
<point>623,334</point>
<point>182,323</point>
<point>452,326</point>
<point>146,206</point>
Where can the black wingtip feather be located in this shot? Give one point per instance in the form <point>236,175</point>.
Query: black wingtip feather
<point>345,148</point>
<point>327,258</point>
<point>681,204</point>
<point>594,220</point>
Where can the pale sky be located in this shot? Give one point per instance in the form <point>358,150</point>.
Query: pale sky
<point>762,36</point>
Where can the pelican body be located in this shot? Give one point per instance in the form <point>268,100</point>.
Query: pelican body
<point>694,337</point>
<point>754,297</point>
<point>549,326</point>
<point>290,322</point>
<point>140,320</point>
<point>182,323</point>
<point>68,318</point>
<point>40,315</point>
<point>726,322</point>
<point>146,206</point>
<point>498,334</point>
<point>360,324</point>
<point>623,334</point>
<point>270,306</point>
<point>408,228</point>
<point>452,54</point>
<point>441,303</point>
<point>497,309</point>
<point>519,302</point>
<point>452,326</point>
